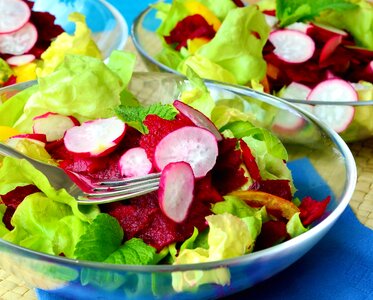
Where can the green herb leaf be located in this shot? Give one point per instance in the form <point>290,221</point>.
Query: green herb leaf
<point>133,252</point>
<point>135,115</point>
<point>102,238</point>
<point>290,11</point>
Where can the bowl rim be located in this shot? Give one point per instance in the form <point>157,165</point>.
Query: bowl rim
<point>122,23</point>
<point>163,67</point>
<point>323,226</point>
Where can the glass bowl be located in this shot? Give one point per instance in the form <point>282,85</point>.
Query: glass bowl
<point>149,44</point>
<point>109,28</point>
<point>314,150</point>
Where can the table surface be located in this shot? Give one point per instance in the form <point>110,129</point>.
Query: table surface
<point>12,288</point>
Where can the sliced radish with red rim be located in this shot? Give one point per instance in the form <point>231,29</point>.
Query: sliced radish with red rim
<point>53,125</point>
<point>95,138</point>
<point>286,121</point>
<point>14,14</point>
<point>134,162</point>
<point>194,145</point>
<point>292,46</point>
<point>299,26</point>
<point>20,60</point>
<point>198,118</point>
<point>39,139</point>
<point>20,41</point>
<point>338,117</point>
<point>176,189</point>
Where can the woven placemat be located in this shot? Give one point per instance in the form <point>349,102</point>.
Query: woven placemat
<point>12,288</point>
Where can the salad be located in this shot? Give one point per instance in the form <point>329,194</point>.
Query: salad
<point>223,193</point>
<point>31,44</point>
<point>304,50</point>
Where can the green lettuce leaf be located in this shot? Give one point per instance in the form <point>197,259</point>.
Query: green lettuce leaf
<point>102,238</point>
<point>80,43</point>
<point>19,172</point>
<point>133,252</point>
<point>12,109</point>
<point>228,237</point>
<point>270,155</point>
<point>294,226</point>
<point>220,8</point>
<point>82,86</point>
<point>290,11</point>
<point>206,68</point>
<point>197,95</point>
<point>40,217</point>
<point>238,44</point>
<point>5,71</point>
<point>358,21</point>
<point>177,11</point>
<point>3,229</point>
<point>117,60</point>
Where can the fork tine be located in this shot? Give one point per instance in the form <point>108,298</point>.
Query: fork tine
<point>126,185</point>
<point>125,181</point>
<point>123,191</point>
<point>102,200</point>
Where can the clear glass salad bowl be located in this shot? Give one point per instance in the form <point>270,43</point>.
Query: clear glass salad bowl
<point>321,163</point>
<point>358,121</point>
<point>109,28</point>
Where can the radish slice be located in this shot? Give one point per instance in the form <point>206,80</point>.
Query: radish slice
<point>176,189</point>
<point>329,29</point>
<point>296,90</point>
<point>134,162</point>
<point>302,27</point>
<point>95,138</point>
<point>194,145</point>
<point>337,117</point>
<point>292,46</point>
<point>290,122</point>
<point>53,125</point>
<point>20,60</point>
<point>39,139</point>
<point>14,14</point>
<point>198,118</point>
<point>20,41</point>
<point>271,20</point>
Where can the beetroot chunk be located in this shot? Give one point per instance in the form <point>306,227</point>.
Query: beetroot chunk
<point>311,210</point>
<point>191,27</point>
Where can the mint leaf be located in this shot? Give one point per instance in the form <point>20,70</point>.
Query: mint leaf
<point>135,115</point>
<point>133,252</point>
<point>290,11</point>
<point>102,238</point>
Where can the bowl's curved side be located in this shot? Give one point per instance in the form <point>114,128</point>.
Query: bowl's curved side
<point>326,152</point>
<point>108,26</point>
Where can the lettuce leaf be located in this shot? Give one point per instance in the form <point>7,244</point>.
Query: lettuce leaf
<point>294,226</point>
<point>290,11</point>
<point>197,95</point>
<point>80,43</point>
<point>5,72</point>
<point>103,237</point>
<point>358,21</point>
<point>206,68</point>
<point>238,44</point>
<point>228,237</point>
<point>82,86</point>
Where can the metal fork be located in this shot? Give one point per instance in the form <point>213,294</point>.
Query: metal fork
<point>90,192</point>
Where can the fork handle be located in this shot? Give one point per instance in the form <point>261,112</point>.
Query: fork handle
<point>9,151</point>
